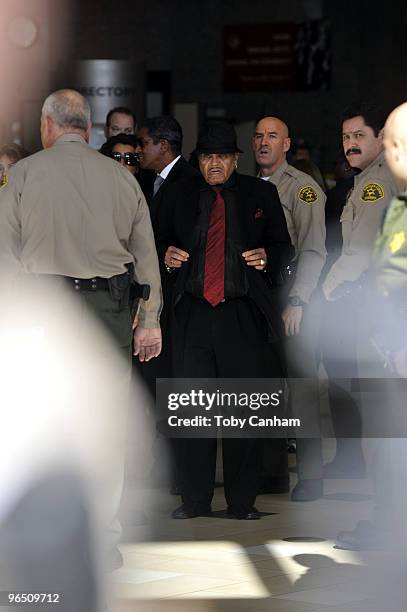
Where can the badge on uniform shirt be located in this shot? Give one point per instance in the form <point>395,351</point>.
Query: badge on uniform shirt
<point>397,241</point>
<point>4,181</point>
<point>308,194</point>
<point>372,192</point>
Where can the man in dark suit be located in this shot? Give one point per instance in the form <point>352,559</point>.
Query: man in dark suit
<point>159,149</point>
<point>160,146</point>
<point>159,153</point>
<point>223,240</point>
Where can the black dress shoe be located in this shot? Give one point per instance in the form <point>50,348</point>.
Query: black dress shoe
<point>338,469</point>
<point>274,485</point>
<point>252,515</point>
<point>307,490</point>
<point>182,513</point>
<point>363,537</point>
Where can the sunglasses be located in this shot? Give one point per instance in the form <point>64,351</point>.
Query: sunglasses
<point>130,159</point>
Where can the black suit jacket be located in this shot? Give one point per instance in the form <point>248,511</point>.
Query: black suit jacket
<point>180,171</point>
<point>262,224</point>
<point>161,367</point>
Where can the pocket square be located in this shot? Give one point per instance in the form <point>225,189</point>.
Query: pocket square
<point>259,213</point>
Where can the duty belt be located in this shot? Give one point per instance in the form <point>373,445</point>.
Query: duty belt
<point>137,291</point>
<point>117,285</point>
<point>79,284</point>
<point>88,284</point>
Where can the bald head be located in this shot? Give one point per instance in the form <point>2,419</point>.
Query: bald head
<point>271,142</point>
<point>274,124</point>
<point>395,142</point>
<point>64,111</point>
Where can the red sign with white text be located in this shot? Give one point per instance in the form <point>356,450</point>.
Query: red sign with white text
<point>272,57</point>
<point>259,57</point>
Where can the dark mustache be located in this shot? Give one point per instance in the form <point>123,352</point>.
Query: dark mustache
<point>353,150</point>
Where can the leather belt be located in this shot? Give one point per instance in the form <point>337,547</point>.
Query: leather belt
<point>88,284</point>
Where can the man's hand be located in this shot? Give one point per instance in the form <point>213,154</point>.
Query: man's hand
<point>174,258</point>
<point>292,316</point>
<point>256,258</point>
<point>147,343</point>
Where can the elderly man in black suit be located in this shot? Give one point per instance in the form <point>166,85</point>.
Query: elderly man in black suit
<point>223,241</point>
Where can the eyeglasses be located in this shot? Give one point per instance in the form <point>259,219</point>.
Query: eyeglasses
<point>130,159</point>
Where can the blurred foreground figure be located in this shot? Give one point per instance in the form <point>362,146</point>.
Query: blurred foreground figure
<point>63,415</point>
<point>391,246</point>
<point>73,222</point>
<point>388,526</point>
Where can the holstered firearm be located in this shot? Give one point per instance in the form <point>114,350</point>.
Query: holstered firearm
<point>138,291</point>
<point>123,288</point>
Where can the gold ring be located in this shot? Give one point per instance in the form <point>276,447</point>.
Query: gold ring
<point>262,262</point>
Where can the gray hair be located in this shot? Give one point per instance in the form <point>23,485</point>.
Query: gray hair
<point>68,109</point>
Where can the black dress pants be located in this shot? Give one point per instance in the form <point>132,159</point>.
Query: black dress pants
<point>225,341</point>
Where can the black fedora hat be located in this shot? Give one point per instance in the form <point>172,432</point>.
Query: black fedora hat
<point>217,138</point>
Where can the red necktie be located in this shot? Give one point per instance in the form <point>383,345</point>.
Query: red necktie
<point>214,275</point>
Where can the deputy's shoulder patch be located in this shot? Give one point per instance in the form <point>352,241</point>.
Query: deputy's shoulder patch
<point>372,192</point>
<point>307,194</point>
<point>396,241</point>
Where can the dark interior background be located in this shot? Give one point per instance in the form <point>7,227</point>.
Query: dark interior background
<point>179,42</point>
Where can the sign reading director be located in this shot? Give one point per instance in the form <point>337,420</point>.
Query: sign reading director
<point>110,83</point>
<point>115,92</point>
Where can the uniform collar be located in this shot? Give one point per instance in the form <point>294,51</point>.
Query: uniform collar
<point>277,175</point>
<point>70,137</point>
<point>377,162</point>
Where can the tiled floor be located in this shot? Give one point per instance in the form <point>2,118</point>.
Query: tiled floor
<point>286,562</point>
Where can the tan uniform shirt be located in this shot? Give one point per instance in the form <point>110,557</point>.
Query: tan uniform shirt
<point>69,210</point>
<point>303,203</point>
<point>361,217</point>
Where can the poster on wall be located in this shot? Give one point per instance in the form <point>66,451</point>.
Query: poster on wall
<point>277,57</point>
<point>313,55</point>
